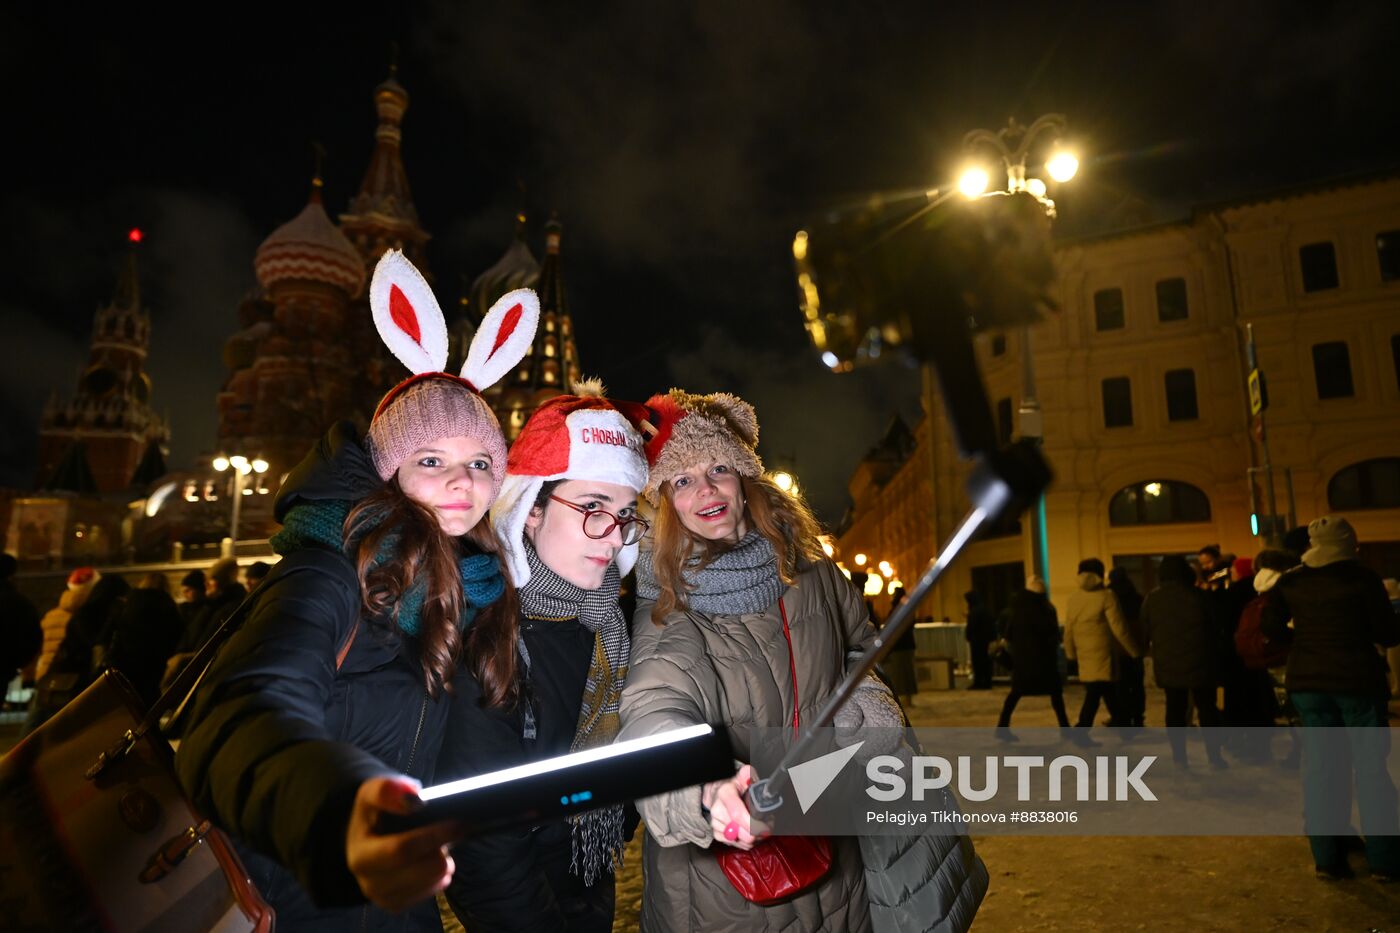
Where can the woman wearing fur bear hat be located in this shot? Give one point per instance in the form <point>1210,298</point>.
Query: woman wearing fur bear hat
<point>567,520</point>
<point>328,705</point>
<point>742,619</point>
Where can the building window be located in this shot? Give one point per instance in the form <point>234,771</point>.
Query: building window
<point>1332,370</point>
<point>1158,502</point>
<point>1371,484</point>
<point>1181,395</point>
<point>1395,357</point>
<point>1108,309</point>
<point>1004,423</point>
<point>1388,253</point>
<point>1171,300</point>
<point>1319,263</point>
<point>999,345</point>
<point>1117,402</point>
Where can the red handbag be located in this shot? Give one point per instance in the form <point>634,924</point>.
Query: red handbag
<point>779,867</point>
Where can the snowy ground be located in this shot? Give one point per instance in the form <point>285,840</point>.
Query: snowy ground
<point>1225,883</point>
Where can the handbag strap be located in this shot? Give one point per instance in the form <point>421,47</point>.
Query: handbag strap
<point>792,667</point>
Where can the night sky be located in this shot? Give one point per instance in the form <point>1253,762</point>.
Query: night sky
<point>682,145</point>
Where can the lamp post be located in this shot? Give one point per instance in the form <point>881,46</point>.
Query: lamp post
<point>1013,145</point>
<point>242,467</point>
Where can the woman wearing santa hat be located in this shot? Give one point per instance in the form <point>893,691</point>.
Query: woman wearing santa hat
<point>328,704</point>
<point>743,620</point>
<point>567,520</point>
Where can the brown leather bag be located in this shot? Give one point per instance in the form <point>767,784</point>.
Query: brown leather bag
<point>96,832</point>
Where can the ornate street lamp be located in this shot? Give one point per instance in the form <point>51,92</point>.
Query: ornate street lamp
<point>242,468</point>
<point>1013,145</point>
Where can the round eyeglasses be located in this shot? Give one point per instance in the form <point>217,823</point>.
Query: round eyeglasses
<point>599,523</point>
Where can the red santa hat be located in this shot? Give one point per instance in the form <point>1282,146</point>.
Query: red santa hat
<point>583,436</point>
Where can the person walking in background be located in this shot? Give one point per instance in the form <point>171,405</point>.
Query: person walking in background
<point>1336,677</point>
<point>899,663</point>
<point>1132,697</point>
<point>192,597</point>
<point>1096,636</point>
<point>55,621</point>
<point>144,635</point>
<point>1392,654</point>
<point>1183,626</point>
<point>255,573</point>
<point>1214,571</point>
<point>1257,653</point>
<point>1249,694</point>
<point>1033,640</point>
<point>21,636</point>
<point>223,593</point>
<point>981,631</point>
<point>81,651</point>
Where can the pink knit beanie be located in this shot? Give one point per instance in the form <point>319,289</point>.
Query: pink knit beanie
<point>433,404</point>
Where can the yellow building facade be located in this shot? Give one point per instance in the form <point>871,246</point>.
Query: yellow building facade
<point>1142,382</point>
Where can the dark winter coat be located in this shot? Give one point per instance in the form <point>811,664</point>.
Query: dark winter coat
<point>1033,637</point>
<point>1340,614</point>
<point>89,629</point>
<point>1185,631</point>
<point>981,627</point>
<point>212,613</point>
<point>144,636</point>
<point>281,740</point>
<point>520,880</point>
<point>21,637</point>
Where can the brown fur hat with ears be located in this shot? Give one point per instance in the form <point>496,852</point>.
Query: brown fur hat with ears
<point>688,429</point>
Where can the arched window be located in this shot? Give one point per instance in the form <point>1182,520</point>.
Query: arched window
<point>1158,502</point>
<point>1370,484</point>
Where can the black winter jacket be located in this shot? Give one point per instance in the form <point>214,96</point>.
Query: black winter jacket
<point>1340,614</point>
<point>1033,636</point>
<point>519,880</point>
<point>1185,633</point>
<point>280,740</point>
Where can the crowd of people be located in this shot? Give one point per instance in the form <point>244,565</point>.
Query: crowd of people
<point>1303,633</point>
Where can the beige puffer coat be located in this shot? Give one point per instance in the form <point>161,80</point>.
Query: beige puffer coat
<point>1095,631</point>
<point>734,669</point>
<point>55,624</point>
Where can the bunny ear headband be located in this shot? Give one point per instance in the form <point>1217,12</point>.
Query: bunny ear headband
<point>411,324</point>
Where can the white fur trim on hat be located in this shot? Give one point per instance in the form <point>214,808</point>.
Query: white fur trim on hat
<point>602,446</point>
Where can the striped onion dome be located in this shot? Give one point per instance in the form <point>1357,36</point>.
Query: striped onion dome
<point>309,247</point>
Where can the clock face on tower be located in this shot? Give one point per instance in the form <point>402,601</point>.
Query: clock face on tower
<point>100,382</point>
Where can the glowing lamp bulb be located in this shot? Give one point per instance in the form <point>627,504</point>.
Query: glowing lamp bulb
<point>1036,187</point>
<point>973,182</point>
<point>220,464</point>
<point>1062,166</point>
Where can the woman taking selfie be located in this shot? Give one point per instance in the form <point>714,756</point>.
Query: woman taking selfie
<point>328,705</point>
<point>567,520</point>
<point>742,620</point>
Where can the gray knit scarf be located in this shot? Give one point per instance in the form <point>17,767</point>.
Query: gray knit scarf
<point>598,841</point>
<point>742,579</point>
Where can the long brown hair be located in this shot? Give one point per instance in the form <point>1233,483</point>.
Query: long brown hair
<point>783,518</point>
<point>423,550</point>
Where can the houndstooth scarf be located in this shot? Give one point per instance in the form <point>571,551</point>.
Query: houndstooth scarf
<point>598,841</point>
<point>742,579</point>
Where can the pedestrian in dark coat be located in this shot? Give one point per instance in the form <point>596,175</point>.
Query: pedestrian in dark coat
<point>328,705</point>
<point>1132,697</point>
<point>144,636</point>
<point>567,520</point>
<point>1336,678</point>
<point>1184,628</point>
<point>1033,636</point>
<point>980,633</point>
<point>21,636</point>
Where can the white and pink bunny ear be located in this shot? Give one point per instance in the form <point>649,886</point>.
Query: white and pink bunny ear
<point>407,315</point>
<point>503,338</point>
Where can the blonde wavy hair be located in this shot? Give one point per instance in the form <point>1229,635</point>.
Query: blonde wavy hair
<point>783,518</point>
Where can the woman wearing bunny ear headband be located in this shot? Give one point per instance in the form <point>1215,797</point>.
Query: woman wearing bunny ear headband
<point>742,619</point>
<point>567,520</point>
<point>329,703</point>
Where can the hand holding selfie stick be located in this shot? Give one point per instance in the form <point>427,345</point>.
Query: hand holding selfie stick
<point>913,278</point>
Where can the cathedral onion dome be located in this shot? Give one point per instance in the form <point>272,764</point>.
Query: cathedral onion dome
<point>310,248</point>
<point>517,268</point>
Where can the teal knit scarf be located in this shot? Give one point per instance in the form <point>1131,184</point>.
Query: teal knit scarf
<point>321,524</point>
